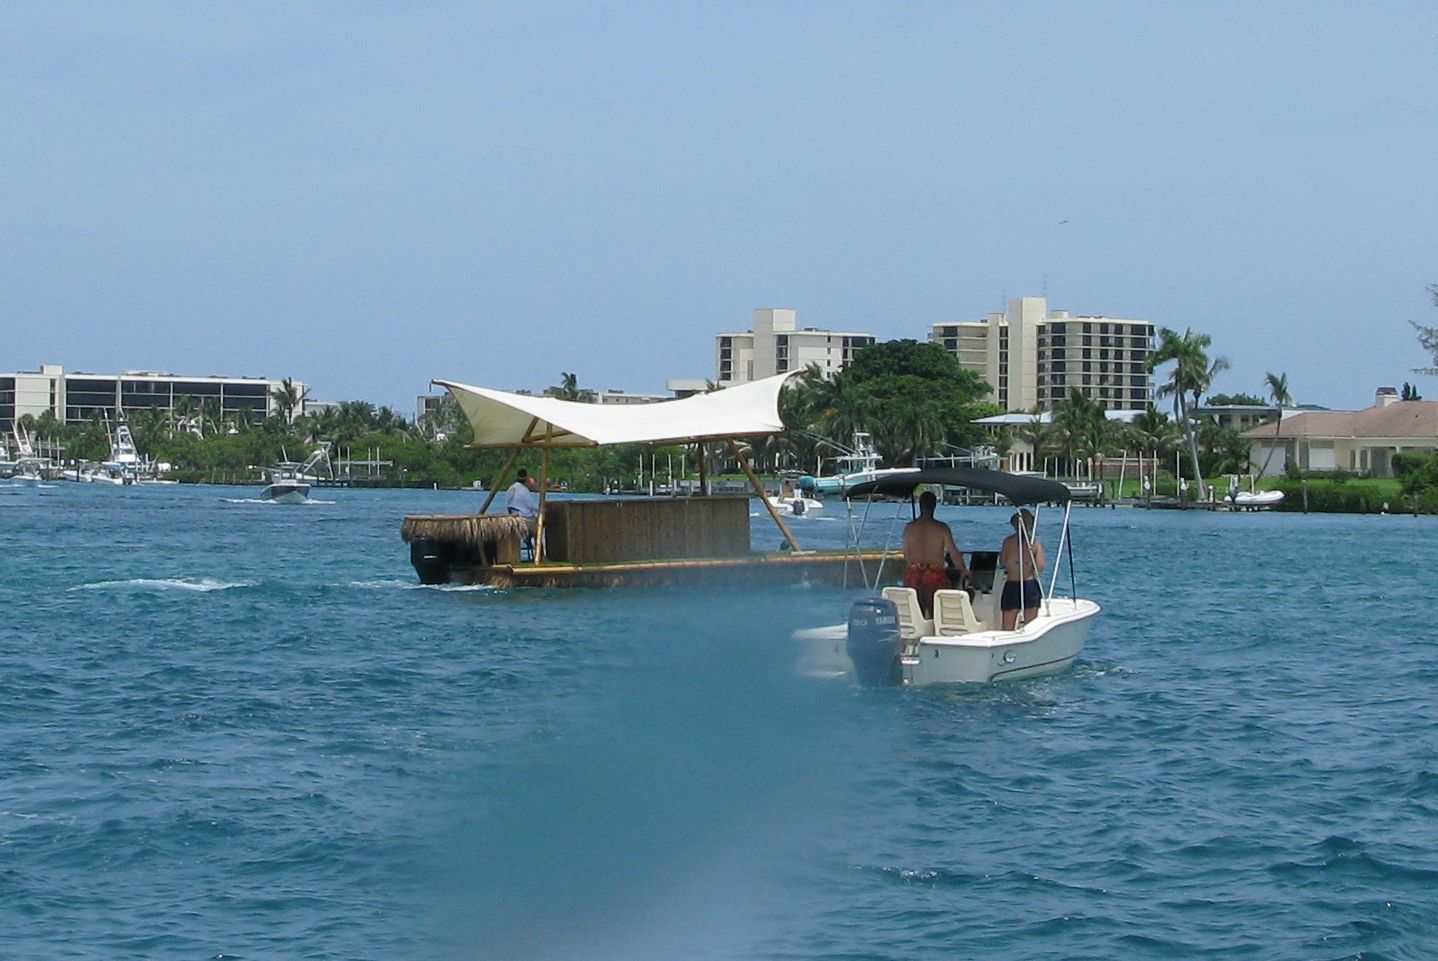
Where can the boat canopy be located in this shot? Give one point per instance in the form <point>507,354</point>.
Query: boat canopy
<point>1017,488</point>
<point>503,419</point>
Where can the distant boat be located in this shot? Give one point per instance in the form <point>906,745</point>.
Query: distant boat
<point>290,481</point>
<point>26,466</point>
<point>795,504</point>
<point>1251,499</point>
<point>1257,500</point>
<point>286,491</point>
<point>856,466</point>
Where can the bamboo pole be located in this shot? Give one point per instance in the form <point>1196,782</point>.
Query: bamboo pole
<point>759,489</point>
<point>499,481</point>
<point>509,465</point>
<point>543,492</point>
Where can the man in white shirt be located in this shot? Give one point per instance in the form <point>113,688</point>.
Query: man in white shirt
<point>522,501</point>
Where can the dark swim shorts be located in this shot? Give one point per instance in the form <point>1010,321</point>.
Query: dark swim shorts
<point>1009,600</point>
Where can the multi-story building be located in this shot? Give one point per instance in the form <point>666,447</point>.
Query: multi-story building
<point>1033,356</point>
<point>776,345</point>
<point>80,397</point>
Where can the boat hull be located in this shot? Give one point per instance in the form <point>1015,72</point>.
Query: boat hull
<point>1049,645</point>
<point>286,493</point>
<point>1257,500</point>
<point>840,483</point>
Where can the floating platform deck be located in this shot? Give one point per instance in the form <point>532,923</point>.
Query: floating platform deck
<point>613,543</point>
<point>826,567</point>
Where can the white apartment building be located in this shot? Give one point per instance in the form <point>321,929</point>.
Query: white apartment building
<point>776,345</point>
<point>1033,356</point>
<point>79,397</point>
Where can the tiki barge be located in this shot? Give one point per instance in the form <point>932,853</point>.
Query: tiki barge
<point>606,542</point>
<point>610,542</point>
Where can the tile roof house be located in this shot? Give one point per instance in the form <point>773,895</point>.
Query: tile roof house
<point>1355,440</point>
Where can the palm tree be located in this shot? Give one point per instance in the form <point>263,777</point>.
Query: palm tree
<point>1039,436</point>
<point>211,415</point>
<point>569,389</point>
<point>289,398</point>
<point>1277,385</point>
<point>1191,374</point>
<point>1085,428</point>
<point>1154,433</point>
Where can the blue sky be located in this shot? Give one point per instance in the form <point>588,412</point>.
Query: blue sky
<point>367,195</point>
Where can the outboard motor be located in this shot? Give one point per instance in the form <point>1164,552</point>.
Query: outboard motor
<point>873,643</point>
<point>428,557</point>
<point>797,506</point>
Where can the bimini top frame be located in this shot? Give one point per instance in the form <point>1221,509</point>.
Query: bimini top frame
<point>1020,490</point>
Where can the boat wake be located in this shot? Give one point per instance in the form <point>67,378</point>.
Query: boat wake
<point>265,503</point>
<point>405,585</point>
<point>200,585</point>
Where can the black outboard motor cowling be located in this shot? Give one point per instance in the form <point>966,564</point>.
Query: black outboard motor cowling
<point>429,560</point>
<point>873,644</point>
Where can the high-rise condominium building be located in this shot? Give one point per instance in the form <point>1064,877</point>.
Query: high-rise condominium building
<point>80,397</point>
<point>775,346</point>
<point>1033,356</point>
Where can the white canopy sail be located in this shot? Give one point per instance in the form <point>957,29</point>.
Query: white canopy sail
<point>502,419</point>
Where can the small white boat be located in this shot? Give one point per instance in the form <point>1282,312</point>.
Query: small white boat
<point>795,505</point>
<point>888,640</point>
<point>28,470</point>
<point>1256,500</point>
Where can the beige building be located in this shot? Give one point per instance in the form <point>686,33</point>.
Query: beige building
<point>776,346</point>
<point>1354,440</point>
<point>78,397</point>
<point>1033,356</point>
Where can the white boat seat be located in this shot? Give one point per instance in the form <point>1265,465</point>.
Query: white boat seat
<point>912,622</point>
<point>954,614</point>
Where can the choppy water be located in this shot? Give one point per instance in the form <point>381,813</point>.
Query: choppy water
<point>240,730</point>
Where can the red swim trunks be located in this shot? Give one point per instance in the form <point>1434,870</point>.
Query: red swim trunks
<point>925,579</point>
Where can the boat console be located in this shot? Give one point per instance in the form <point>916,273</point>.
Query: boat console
<point>982,565</point>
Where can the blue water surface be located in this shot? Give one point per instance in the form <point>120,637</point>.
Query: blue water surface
<point>243,730</point>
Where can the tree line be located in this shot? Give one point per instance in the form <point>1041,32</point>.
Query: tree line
<point>914,398</point>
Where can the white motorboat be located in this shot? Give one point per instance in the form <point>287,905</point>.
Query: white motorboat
<point>286,491</point>
<point>290,481</point>
<point>888,640</point>
<point>26,466</point>
<point>27,469</point>
<point>795,504</point>
<point>1256,500</point>
<point>858,465</point>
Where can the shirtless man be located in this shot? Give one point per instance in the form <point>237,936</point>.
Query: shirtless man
<point>926,541</point>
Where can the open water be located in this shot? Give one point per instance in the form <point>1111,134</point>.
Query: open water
<point>239,730</point>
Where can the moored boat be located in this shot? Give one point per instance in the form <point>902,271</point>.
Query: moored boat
<point>858,465</point>
<point>1257,500</point>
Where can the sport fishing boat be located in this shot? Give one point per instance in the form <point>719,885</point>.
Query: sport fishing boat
<point>858,465</point>
<point>285,490</point>
<point>290,481</point>
<point>889,640</point>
